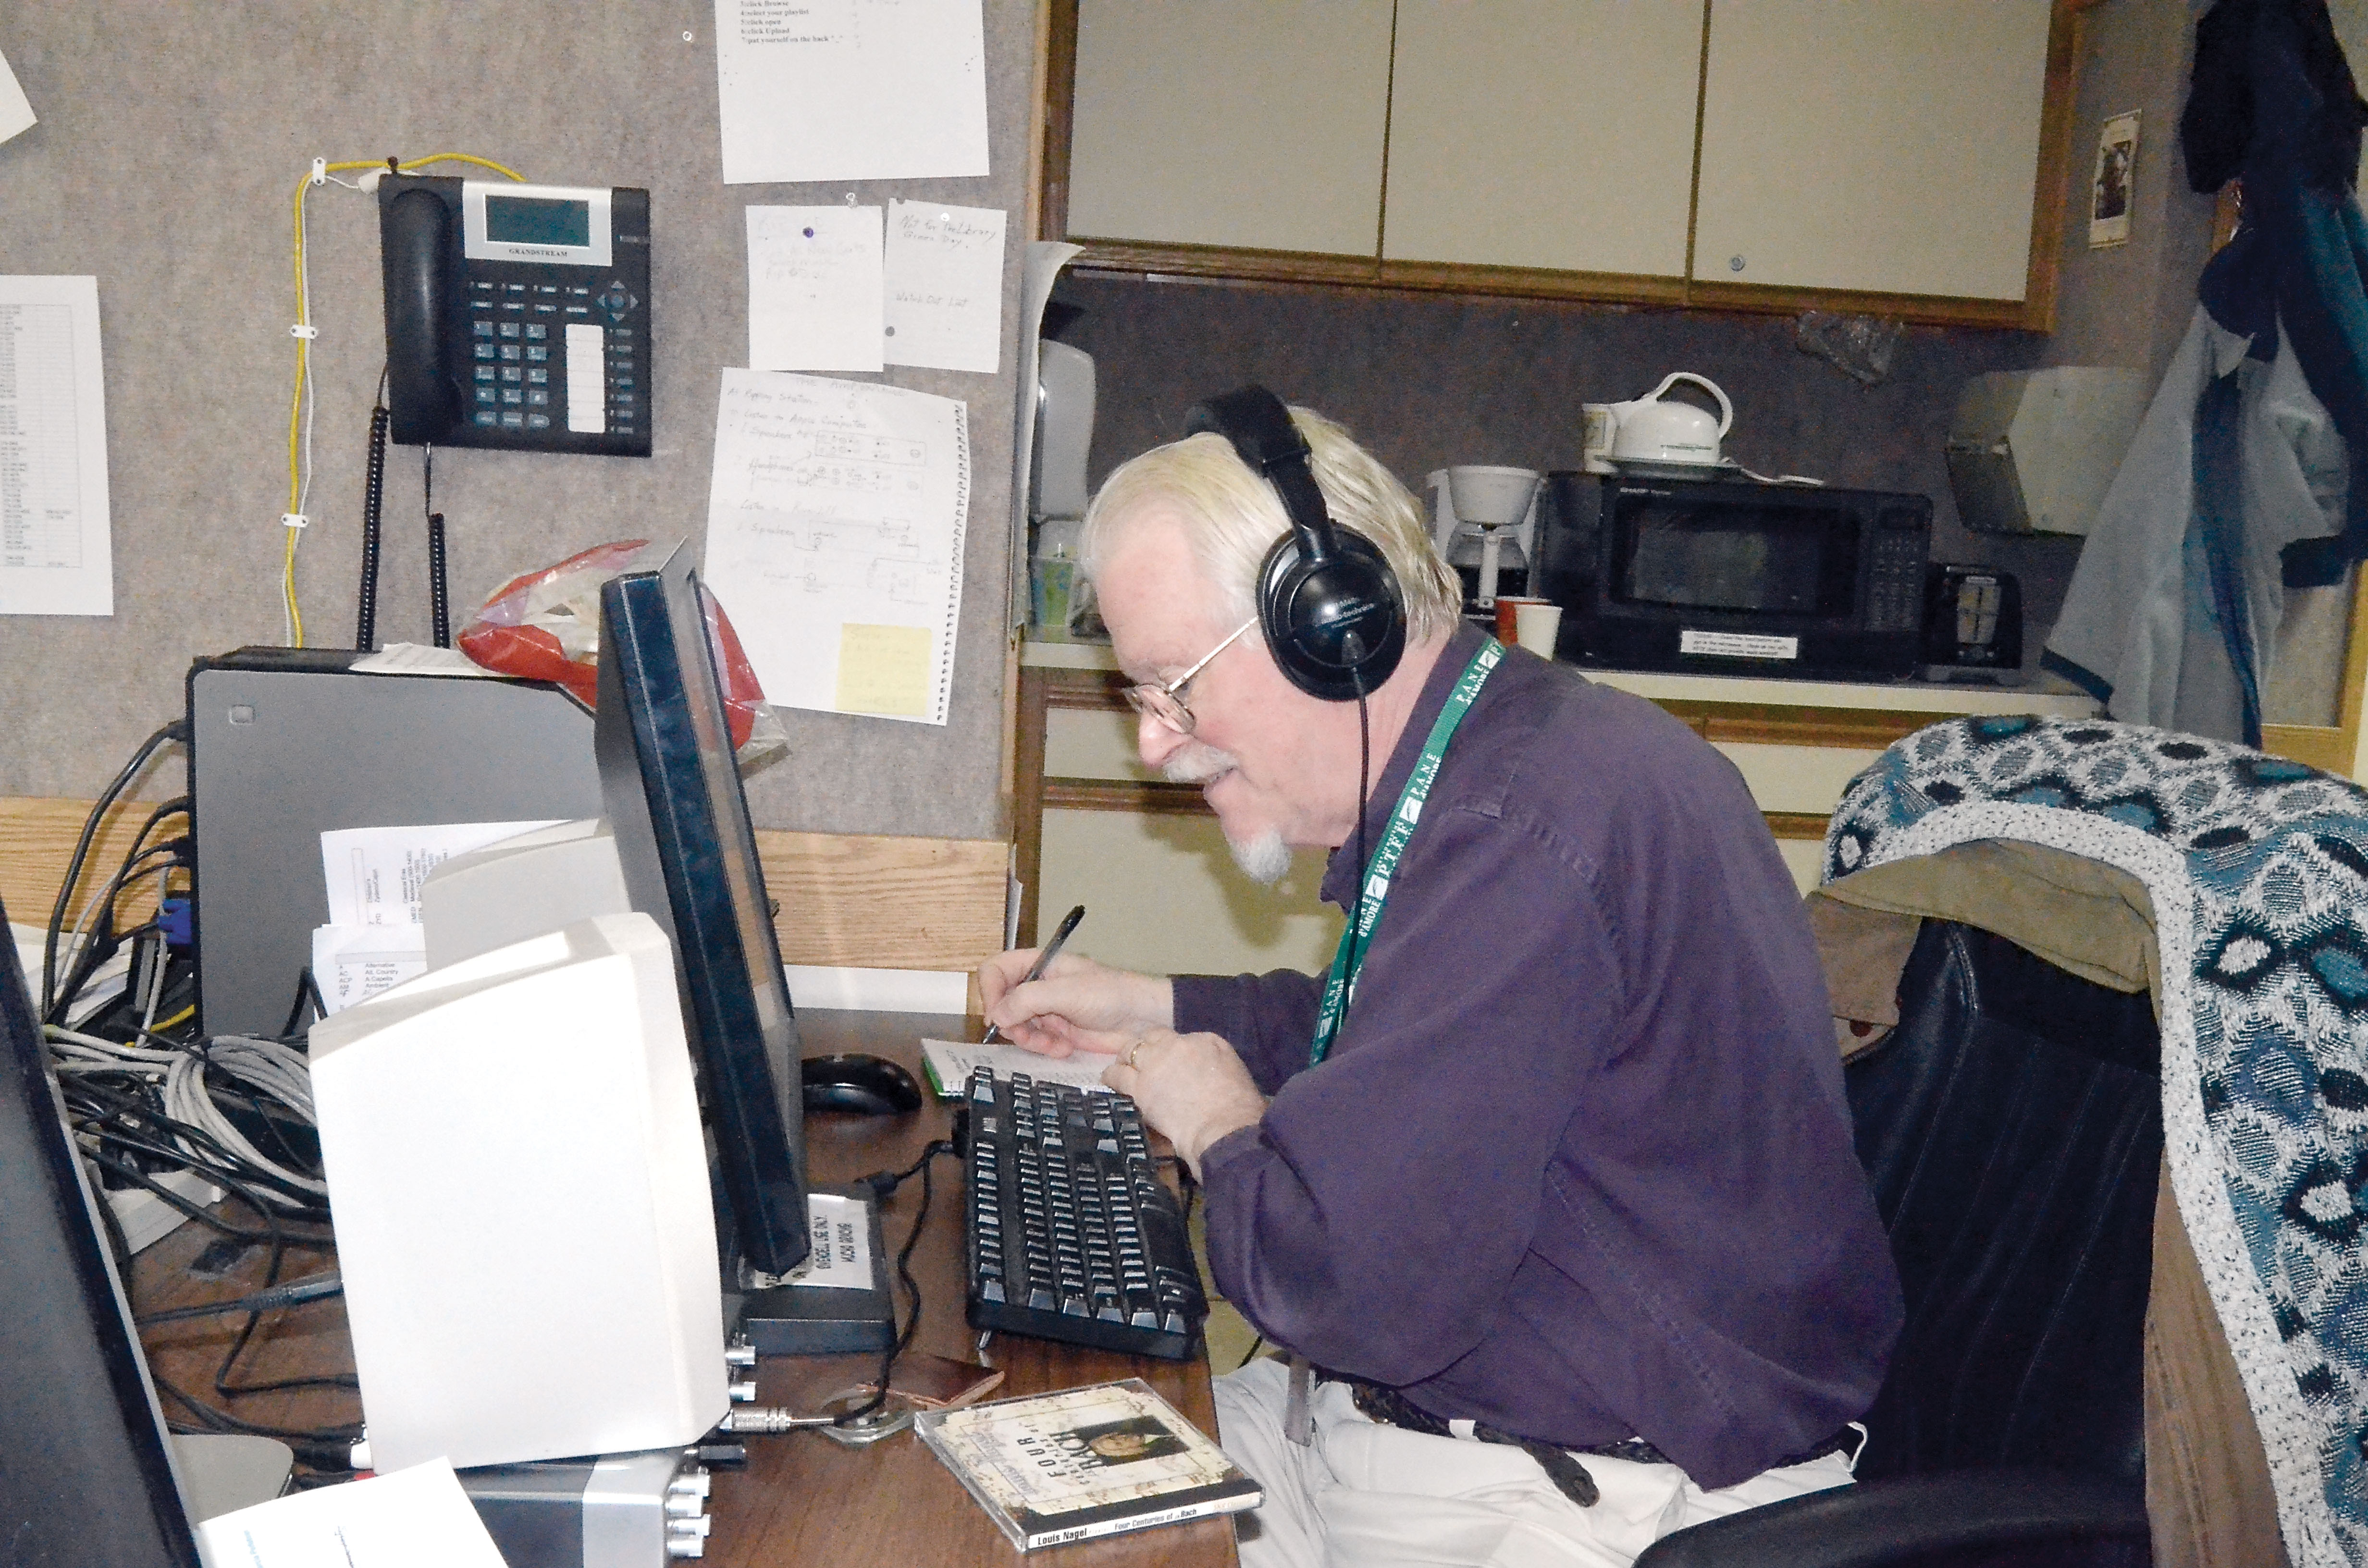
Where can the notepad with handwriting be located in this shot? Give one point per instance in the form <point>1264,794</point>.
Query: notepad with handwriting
<point>950,1063</point>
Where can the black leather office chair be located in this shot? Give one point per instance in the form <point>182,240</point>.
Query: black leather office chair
<point>2012,1128</point>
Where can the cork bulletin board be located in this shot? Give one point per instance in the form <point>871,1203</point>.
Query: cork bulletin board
<point>170,141</point>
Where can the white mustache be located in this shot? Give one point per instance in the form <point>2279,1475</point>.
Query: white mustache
<point>1199,764</point>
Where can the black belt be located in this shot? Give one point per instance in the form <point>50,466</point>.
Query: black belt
<point>1560,1462</point>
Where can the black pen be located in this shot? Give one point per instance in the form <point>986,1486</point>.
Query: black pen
<point>1036,971</point>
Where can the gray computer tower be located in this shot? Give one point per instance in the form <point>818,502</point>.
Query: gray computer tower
<point>288,742</point>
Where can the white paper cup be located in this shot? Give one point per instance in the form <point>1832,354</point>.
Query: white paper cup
<point>1535,626</point>
<point>1509,606</point>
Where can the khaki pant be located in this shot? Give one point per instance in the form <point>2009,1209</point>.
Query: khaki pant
<point>1364,1494</point>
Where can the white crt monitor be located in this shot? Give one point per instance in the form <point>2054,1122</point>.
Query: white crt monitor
<point>519,1186</point>
<point>524,886</point>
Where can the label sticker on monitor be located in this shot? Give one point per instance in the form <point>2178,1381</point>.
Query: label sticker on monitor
<point>1737,644</point>
<point>842,1244</point>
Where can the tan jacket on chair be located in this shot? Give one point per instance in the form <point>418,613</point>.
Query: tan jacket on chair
<point>2208,1494</point>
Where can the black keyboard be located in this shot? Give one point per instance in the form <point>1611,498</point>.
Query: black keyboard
<point>1073,1237</point>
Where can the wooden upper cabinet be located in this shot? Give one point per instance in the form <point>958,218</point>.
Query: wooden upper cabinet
<point>1906,158</point>
<point>1255,124</point>
<point>1889,146</point>
<point>1543,133</point>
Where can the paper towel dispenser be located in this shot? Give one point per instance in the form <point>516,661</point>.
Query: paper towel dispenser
<point>2033,451</point>
<point>1064,432</point>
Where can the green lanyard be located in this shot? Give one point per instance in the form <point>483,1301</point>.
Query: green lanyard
<point>1341,987</point>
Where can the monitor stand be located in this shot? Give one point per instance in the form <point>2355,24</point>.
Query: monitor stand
<point>820,1319</point>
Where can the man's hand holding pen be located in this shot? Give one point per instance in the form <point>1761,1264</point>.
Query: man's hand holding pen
<point>1192,1088</point>
<point>1074,1004</point>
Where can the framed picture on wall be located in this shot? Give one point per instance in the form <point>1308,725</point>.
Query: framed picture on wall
<point>2109,193</point>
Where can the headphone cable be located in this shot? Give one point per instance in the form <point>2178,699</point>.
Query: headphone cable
<point>1364,806</point>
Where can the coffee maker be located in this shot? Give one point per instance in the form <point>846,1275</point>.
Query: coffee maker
<point>1484,521</point>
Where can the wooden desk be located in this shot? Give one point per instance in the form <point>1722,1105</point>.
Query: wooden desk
<point>803,1499</point>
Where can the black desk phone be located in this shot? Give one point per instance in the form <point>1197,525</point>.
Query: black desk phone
<point>518,316</point>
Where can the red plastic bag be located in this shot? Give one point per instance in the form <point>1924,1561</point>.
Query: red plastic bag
<point>546,625</point>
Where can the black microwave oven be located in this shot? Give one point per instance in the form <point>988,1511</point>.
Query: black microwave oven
<point>1731,577</point>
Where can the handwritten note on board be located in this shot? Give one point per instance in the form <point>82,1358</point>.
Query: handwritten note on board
<point>945,286</point>
<point>840,505</point>
<point>850,89</point>
<point>814,289</point>
<point>883,670</point>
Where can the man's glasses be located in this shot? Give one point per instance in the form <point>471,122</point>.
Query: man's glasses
<point>1166,703</point>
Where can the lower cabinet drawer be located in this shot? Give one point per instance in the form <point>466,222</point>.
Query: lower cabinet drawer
<point>1799,787</point>
<point>1802,858</point>
<point>1797,778</point>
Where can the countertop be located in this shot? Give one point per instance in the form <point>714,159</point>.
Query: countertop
<point>1907,695</point>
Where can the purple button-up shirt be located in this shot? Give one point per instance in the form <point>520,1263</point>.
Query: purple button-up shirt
<point>1578,1164</point>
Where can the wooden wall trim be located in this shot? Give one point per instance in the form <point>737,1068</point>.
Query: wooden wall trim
<point>2315,746</point>
<point>1142,260</point>
<point>2355,670</point>
<point>1531,282</point>
<point>1037,688</point>
<point>1056,114</point>
<point>882,901</point>
<point>2066,31</point>
<point>1701,119</point>
<point>1126,795</point>
<point>37,838</point>
<point>1857,728</point>
<point>1929,310</point>
<point>1093,690</point>
<point>875,901</point>
<point>1797,824</point>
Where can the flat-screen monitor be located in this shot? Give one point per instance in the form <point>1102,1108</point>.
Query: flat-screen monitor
<point>86,1468</point>
<point>670,786</point>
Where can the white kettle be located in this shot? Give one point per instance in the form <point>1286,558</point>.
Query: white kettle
<point>1648,429</point>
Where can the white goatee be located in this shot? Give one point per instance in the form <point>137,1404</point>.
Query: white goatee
<point>1264,858</point>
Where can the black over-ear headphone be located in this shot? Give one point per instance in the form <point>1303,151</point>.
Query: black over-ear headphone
<point>1328,602</point>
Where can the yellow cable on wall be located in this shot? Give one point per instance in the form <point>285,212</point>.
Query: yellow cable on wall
<point>298,425</point>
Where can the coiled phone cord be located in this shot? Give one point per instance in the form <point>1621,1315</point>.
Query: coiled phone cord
<point>373,503</point>
<point>440,596</point>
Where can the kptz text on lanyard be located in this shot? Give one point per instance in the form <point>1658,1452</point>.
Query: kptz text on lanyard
<point>1357,940</point>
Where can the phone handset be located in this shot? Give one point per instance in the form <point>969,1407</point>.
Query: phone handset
<point>415,232</point>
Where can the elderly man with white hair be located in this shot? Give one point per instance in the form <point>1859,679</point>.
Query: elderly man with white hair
<point>1548,1190</point>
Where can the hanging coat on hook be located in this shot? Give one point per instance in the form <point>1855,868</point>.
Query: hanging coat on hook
<point>2240,509</point>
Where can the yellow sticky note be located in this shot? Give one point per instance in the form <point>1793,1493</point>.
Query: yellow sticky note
<point>883,669</point>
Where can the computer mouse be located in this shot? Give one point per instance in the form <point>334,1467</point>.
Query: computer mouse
<point>870,1085</point>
